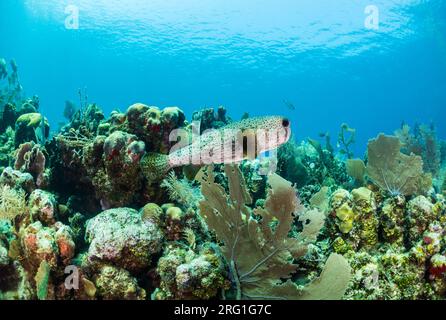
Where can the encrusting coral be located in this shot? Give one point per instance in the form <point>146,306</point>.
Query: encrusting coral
<point>185,274</point>
<point>115,283</point>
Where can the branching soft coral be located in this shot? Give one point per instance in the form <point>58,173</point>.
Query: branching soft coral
<point>259,251</point>
<point>181,191</point>
<point>12,203</point>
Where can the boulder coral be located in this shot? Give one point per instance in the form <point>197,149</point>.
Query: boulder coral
<point>188,275</point>
<point>420,215</point>
<point>113,283</point>
<point>114,170</point>
<point>153,125</point>
<point>43,206</point>
<point>122,238</point>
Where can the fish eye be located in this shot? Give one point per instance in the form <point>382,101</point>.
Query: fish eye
<point>285,123</point>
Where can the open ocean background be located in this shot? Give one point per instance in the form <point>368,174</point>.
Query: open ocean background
<point>246,55</point>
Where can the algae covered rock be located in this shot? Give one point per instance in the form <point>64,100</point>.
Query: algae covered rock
<point>4,259</point>
<point>420,215</point>
<point>172,117</point>
<point>30,158</point>
<point>153,212</point>
<point>389,275</point>
<point>17,179</point>
<point>121,237</point>
<point>114,283</point>
<point>188,275</point>
<point>115,174</point>
<point>152,125</point>
<point>43,206</point>
<point>208,118</point>
<point>364,207</point>
<point>53,245</point>
<point>392,220</point>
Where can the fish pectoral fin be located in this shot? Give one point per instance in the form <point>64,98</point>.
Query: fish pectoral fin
<point>249,156</point>
<point>191,171</point>
<point>250,145</point>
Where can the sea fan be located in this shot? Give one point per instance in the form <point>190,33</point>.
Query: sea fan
<point>261,257</point>
<point>394,171</point>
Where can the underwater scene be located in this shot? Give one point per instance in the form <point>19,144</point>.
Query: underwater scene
<point>222,150</point>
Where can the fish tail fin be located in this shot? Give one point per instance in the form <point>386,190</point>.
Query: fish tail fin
<point>155,165</point>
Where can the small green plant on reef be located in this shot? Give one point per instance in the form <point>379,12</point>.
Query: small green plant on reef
<point>346,138</point>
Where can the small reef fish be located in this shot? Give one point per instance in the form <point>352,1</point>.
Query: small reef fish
<point>245,139</point>
<point>289,104</point>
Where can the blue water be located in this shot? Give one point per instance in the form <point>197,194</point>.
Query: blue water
<point>246,55</point>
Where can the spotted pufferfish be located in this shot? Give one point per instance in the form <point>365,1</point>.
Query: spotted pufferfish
<point>237,141</point>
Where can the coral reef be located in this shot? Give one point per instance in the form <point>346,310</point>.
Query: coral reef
<point>209,119</point>
<point>80,217</point>
<point>119,179</point>
<point>423,142</point>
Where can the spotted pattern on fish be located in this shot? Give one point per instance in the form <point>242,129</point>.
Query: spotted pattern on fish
<point>231,143</point>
